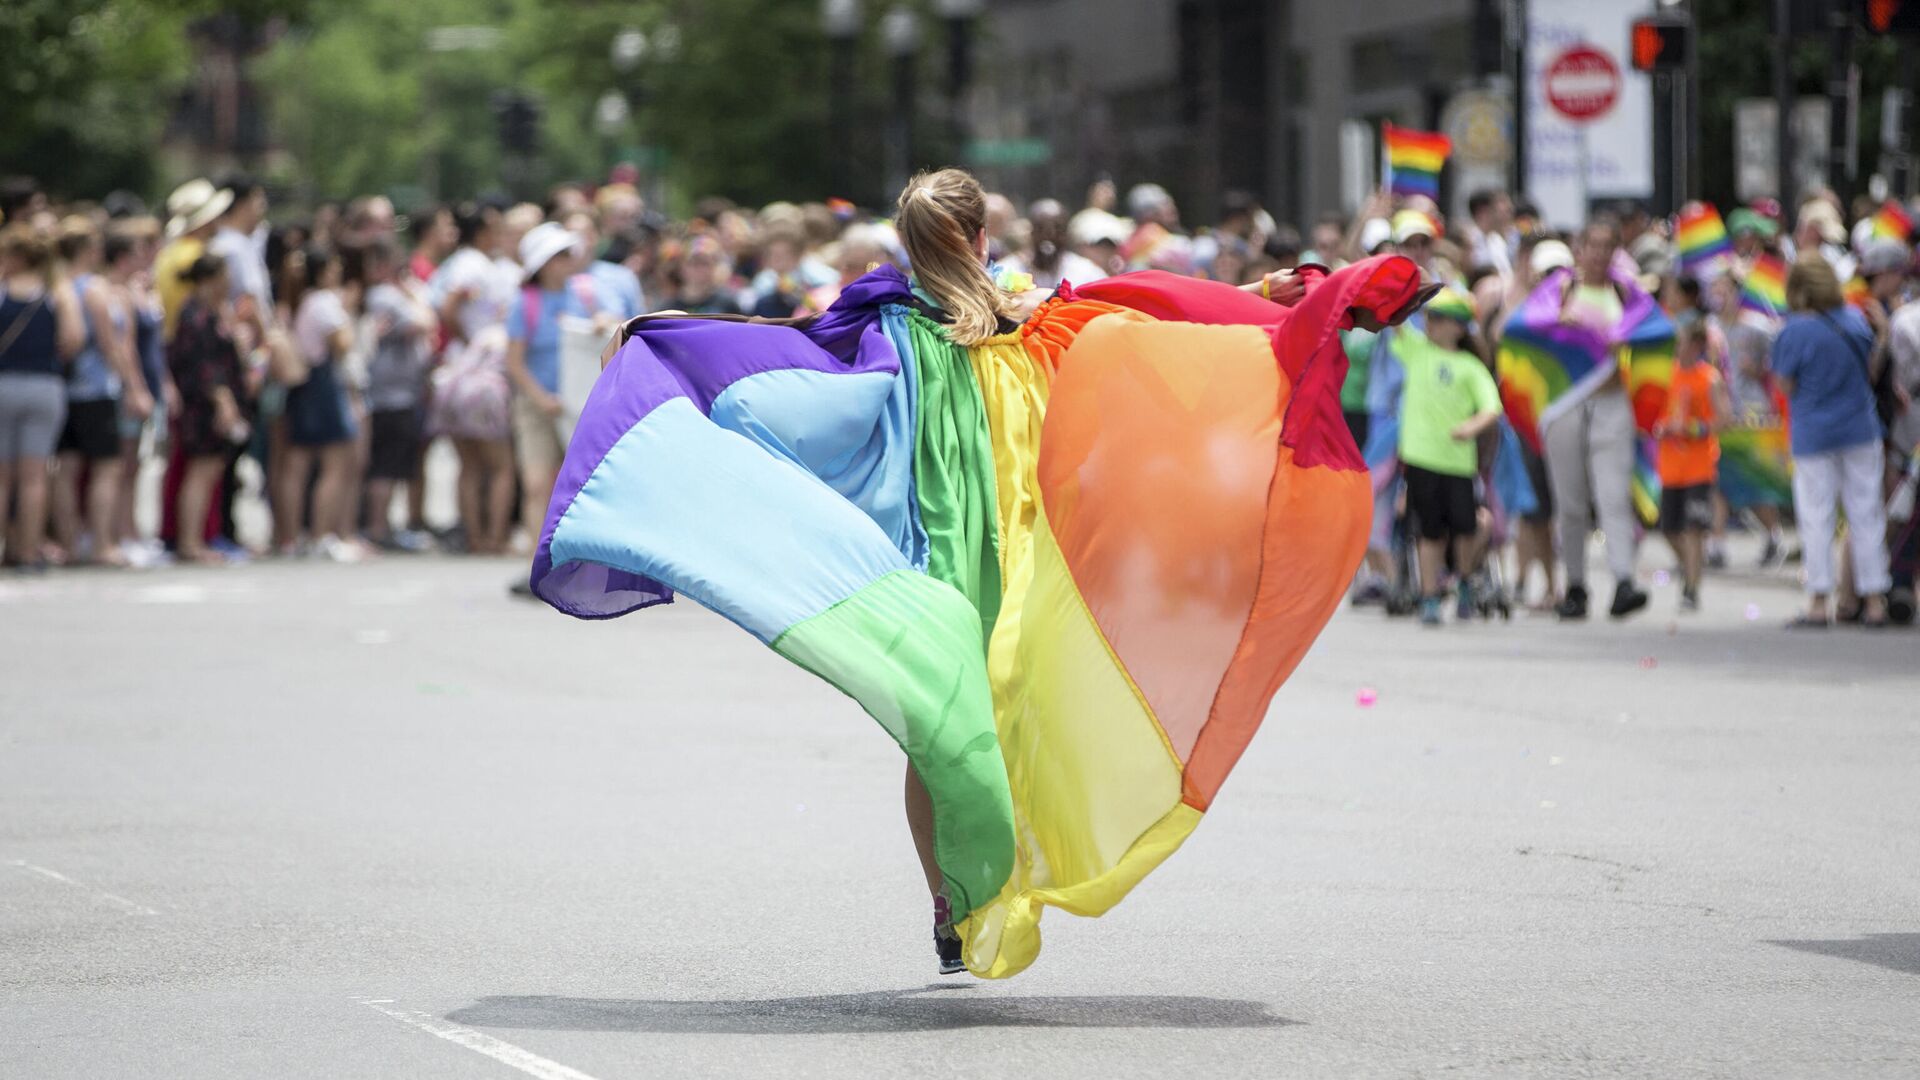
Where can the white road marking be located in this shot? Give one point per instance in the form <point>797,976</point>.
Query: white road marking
<point>121,902</point>
<point>478,1041</point>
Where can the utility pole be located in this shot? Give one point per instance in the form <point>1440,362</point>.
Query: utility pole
<point>1786,189</point>
<point>1841,169</point>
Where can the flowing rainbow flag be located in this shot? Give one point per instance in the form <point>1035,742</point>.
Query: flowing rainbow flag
<point>1892,222</point>
<point>1414,160</point>
<point>1764,291</point>
<point>1701,237</point>
<point>1546,367</point>
<point>1756,465</point>
<point>1065,568</point>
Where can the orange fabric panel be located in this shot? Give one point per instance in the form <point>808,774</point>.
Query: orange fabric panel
<point>1055,324</point>
<point>1316,531</point>
<point>1156,459</point>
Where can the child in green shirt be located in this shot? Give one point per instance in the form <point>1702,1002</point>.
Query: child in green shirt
<point>1448,400</point>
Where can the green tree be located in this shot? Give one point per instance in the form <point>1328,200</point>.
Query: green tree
<point>80,111</point>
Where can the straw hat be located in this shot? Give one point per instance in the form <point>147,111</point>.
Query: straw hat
<point>194,204</point>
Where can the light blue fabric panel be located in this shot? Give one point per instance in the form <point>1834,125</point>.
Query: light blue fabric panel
<point>712,515</point>
<point>854,431</point>
<point>893,322</point>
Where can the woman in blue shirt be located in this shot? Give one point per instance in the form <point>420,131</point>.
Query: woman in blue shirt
<point>1824,360</point>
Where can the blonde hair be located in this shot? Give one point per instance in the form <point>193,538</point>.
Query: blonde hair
<point>1813,286</point>
<point>939,216</point>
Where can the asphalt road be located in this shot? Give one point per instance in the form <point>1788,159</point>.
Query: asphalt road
<point>379,821</point>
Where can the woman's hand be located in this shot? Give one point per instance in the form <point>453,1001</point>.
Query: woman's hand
<point>1283,287</point>
<point>549,406</point>
<point>138,402</point>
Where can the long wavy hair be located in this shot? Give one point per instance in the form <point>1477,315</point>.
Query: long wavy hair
<point>939,216</point>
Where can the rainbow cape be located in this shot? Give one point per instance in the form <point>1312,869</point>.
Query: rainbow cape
<point>1764,290</point>
<point>1414,160</point>
<point>1546,367</point>
<point>1701,239</point>
<point>1644,485</point>
<point>1065,570</point>
<point>1892,223</point>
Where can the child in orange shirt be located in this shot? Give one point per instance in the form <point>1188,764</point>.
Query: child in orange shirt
<point>1689,455</point>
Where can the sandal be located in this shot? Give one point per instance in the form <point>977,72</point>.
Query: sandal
<point>1808,622</point>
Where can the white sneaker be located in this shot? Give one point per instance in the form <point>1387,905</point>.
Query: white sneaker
<point>338,550</point>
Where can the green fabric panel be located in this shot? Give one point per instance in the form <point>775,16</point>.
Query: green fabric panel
<point>953,471</point>
<point>907,648</point>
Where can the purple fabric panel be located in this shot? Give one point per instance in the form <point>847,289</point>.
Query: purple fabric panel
<point>698,358</point>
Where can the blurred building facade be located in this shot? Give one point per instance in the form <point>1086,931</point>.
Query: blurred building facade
<point>1207,95</point>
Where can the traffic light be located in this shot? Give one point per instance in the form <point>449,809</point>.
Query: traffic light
<point>1893,16</point>
<point>1659,45</point>
<point>518,118</point>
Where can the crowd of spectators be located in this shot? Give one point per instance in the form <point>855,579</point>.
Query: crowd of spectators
<point>312,359</point>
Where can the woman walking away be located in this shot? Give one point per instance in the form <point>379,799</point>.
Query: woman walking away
<point>213,417</point>
<point>41,328</point>
<point>1824,360</point>
<point>958,502</point>
<point>319,426</point>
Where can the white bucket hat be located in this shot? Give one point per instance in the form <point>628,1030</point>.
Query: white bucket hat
<point>541,244</point>
<point>193,204</point>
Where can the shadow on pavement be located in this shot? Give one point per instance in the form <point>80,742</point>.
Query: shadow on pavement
<point>1900,952</point>
<point>934,1008</point>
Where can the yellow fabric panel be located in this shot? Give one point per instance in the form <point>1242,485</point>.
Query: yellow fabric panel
<point>1013,395</point>
<point>1096,789</point>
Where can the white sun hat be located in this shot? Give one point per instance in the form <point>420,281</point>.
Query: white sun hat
<point>541,244</point>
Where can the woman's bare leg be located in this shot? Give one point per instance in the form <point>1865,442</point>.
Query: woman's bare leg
<point>500,477</point>
<point>196,491</point>
<point>332,493</point>
<point>920,824</point>
<point>103,499</point>
<point>290,493</point>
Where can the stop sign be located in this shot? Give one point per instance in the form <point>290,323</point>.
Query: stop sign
<point>1583,83</point>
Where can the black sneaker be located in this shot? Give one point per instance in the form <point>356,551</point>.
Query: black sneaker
<point>1626,600</point>
<point>1689,599</point>
<point>1573,606</point>
<point>521,588</point>
<point>946,945</point>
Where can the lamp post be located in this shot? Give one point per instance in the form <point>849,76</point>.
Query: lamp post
<point>960,16</point>
<point>840,21</point>
<point>900,30</point>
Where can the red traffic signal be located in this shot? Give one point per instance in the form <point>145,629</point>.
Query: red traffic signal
<point>1893,16</point>
<point>1659,45</point>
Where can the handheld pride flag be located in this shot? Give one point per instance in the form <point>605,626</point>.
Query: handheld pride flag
<point>1764,292</point>
<point>1892,223</point>
<point>1414,160</point>
<point>1547,366</point>
<point>1701,237</point>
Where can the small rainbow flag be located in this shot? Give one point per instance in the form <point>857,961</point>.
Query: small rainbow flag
<point>1892,223</point>
<point>1702,240</point>
<point>1756,465</point>
<point>1857,292</point>
<point>1645,483</point>
<point>1764,292</point>
<point>1414,160</point>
